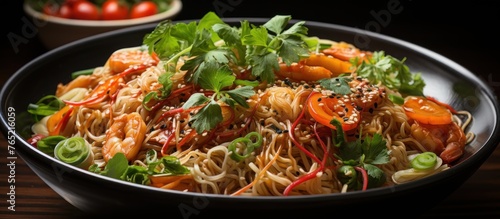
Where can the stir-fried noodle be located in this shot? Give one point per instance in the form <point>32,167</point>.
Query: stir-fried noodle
<point>281,142</point>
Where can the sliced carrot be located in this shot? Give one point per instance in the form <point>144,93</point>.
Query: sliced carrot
<point>324,109</point>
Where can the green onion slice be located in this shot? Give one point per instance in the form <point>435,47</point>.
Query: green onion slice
<point>424,161</point>
<point>75,151</point>
<point>251,141</point>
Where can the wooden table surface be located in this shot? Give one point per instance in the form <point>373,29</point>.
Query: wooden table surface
<point>468,45</point>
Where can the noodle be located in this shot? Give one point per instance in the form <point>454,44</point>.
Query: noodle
<point>297,154</point>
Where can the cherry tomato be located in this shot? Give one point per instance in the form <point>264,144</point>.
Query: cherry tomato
<point>427,111</point>
<point>65,11</point>
<point>143,9</point>
<point>114,10</point>
<point>50,9</point>
<point>324,109</point>
<point>85,10</point>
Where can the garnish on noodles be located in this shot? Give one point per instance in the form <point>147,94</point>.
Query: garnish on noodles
<point>252,110</point>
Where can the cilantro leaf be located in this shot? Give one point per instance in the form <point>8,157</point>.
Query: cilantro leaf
<point>240,94</point>
<point>212,48</point>
<point>167,39</point>
<point>339,85</point>
<point>195,100</point>
<point>363,153</point>
<point>170,165</point>
<point>163,92</point>
<point>208,117</point>
<point>393,73</point>
<point>216,79</point>
<point>376,176</point>
<point>278,23</point>
<point>375,149</point>
<point>264,66</point>
<point>116,166</point>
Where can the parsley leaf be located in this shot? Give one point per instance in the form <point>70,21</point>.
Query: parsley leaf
<point>393,73</point>
<point>163,92</point>
<point>375,150</point>
<point>212,48</point>
<point>365,153</point>
<point>211,113</point>
<point>339,85</point>
<point>208,117</point>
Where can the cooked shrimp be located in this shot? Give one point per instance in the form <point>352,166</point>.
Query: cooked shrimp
<point>448,141</point>
<point>345,51</point>
<point>315,67</point>
<point>301,72</point>
<point>365,95</point>
<point>107,88</point>
<point>82,81</point>
<point>125,135</point>
<point>122,59</point>
<point>335,65</point>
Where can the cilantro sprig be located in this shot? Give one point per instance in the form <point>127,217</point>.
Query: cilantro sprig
<point>211,48</point>
<point>118,167</point>
<point>363,154</point>
<point>339,85</point>
<point>211,113</point>
<point>393,73</point>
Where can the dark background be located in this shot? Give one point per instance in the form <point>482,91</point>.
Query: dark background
<point>463,32</point>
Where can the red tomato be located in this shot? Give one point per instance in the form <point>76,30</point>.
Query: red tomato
<point>114,10</point>
<point>86,11</point>
<point>50,9</point>
<point>65,11</point>
<point>143,9</point>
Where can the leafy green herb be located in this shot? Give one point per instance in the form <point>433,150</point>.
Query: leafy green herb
<point>363,153</point>
<point>396,99</point>
<point>211,113</point>
<point>211,48</point>
<point>393,73</point>
<point>165,90</point>
<point>118,168</point>
<point>339,85</point>
<point>169,165</point>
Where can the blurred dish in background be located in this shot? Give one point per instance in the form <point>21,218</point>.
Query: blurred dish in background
<point>66,25</point>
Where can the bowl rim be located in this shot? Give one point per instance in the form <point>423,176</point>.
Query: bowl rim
<point>176,7</point>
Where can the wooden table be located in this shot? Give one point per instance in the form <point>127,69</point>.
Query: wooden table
<point>478,196</point>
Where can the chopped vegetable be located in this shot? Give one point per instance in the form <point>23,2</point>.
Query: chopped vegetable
<point>251,141</point>
<point>48,144</point>
<point>82,72</point>
<point>363,155</point>
<point>426,111</point>
<point>424,161</point>
<point>46,106</point>
<point>119,168</point>
<point>209,61</point>
<point>324,109</point>
<point>391,72</point>
<point>75,151</point>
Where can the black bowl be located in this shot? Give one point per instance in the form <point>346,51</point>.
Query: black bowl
<point>96,194</point>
